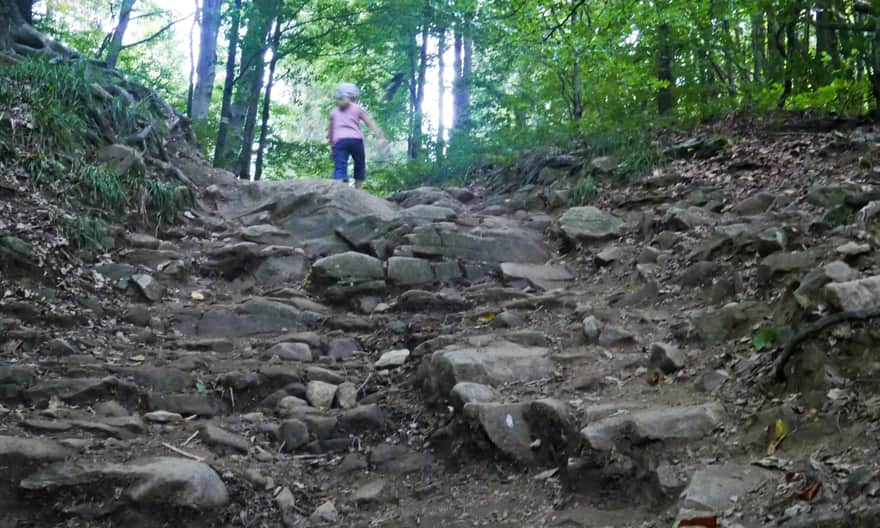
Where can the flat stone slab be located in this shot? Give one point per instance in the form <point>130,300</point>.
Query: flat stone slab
<point>542,276</point>
<point>155,481</point>
<point>494,363</point>
<point>588,224</point>
<point>855,295</point>
<point>714,489</point>
<point>662,423</point>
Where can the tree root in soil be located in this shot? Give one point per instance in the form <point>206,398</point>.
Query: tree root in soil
<point>816,327</point>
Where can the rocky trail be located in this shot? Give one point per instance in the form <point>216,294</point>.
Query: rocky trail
<point>304,354</point>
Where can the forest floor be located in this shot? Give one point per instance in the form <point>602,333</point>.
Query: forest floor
<point>303,354</point>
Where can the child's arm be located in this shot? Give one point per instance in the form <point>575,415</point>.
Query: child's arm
<point>374,128</point>
<point>330,136</point>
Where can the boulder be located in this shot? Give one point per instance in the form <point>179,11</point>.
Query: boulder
<point>715,326</point>
<point>392,359</point>
<point>588,224</point>
<point>716,489</point>
<point>541,276</point>
<point>756,204</point>
<point>346,274</point>
<point>155,481</point>
<point>361,419</point>
<point>530,432</point>
<point>310,210</point>
<point>321,394</point>
<point>811,293</point>
<point>784,262</point>
<point>493,363</point>
<point>668,358</point>
<point>426,214</point>
<point>121,159</point>
<point>252,317</point>
<point>20,455</point>
<point>467,392</point>
<point>149,287</point>
<point>216,436</point>
<point>346,395</point>
<point>293,434</point>
<point>855,295</point>
<point>291,352</point>
<point>654,424</point>
<point>407,271</point>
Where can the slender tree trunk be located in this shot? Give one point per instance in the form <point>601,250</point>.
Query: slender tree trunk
<point>791,45</point>
<point>467,71</point>
<point>441,100</point>
<point>664,70</point>
<point>246,102</point>
<point>421,79</point>
<point>119,33</point>
<point>267,103</point>
<point>206,70</point>
<point>192,62</point>
<point>228,85</point>
<point>458,66</point>
<point>729,64</point>
<point>759,37</point>
<point>413,108</point>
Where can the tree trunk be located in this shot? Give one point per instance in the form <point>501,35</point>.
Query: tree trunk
<point>664,70</point>
<point>759,37</point>
<point>10,18</point>
<point>458,66</point>
<point>228,85</point>
<point>267,103</point>
<point>729,64</point>
<point>791,44</point>
<point>26,10</point>
<point>206,70</point>
<point>192,62</point>
<point>247,98</point>
<point>441,99</point>
<point>115,47</point>
<point>418,117</point>
<point>248,86</point>
<point>467,70</point>
<point>410,136</point>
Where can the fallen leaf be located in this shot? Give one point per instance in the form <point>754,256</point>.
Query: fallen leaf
<point>705,522</point>
<point>487,317</point>
<point>780,432</point>
<point>138,358</point>
<point>197,296</point>
<point>810,491</point>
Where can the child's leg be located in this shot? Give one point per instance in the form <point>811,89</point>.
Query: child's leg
<point>340,162</point>
<point>360,163</point>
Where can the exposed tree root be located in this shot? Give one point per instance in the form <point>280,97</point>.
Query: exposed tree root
<point>816,327</point>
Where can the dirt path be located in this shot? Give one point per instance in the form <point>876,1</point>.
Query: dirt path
<point>303,354</point>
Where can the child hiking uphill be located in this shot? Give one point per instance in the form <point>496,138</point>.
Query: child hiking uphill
<point>345,135</point>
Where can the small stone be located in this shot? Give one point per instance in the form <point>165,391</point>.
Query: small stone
<point>285,500</point>
<point>853,249</point>
<point>613,335</point>
<point>468,392</point>
<point>288,405</point>
<point>213,435</point>
<point>609,255</point>
<point>346,395</point>
<point>370,492</point>
<point>362,418</point>
<point>291,352</point>
<point>325,514</point>
<point>112,409</point>
<point>592,328</point>
<point>61,347</point>
<point>293,434</point>
<point>321,394</point>
<point>392,359</point>
<point>162,417</point>
<point>325,375</point>
<point>151,289</point>
<point>667,358</point>
<point>343,349</point>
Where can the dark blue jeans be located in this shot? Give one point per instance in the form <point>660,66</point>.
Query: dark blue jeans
<point>341,151</point>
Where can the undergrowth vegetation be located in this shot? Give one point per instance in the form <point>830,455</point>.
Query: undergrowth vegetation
<point>55,117</point>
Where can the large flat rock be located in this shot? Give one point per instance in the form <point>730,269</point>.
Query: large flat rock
<point>156,481</point>
<point>310,210</point>
<point>661,423</point>
<point>715,489</point>
<point>492,363</point>
<point>494,245</point>
<point>588,224</point>
<point>855,295</point>
<point>253,317</point>
<point>542,276</point>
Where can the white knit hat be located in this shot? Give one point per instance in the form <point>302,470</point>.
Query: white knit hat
<point>347,90</point>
